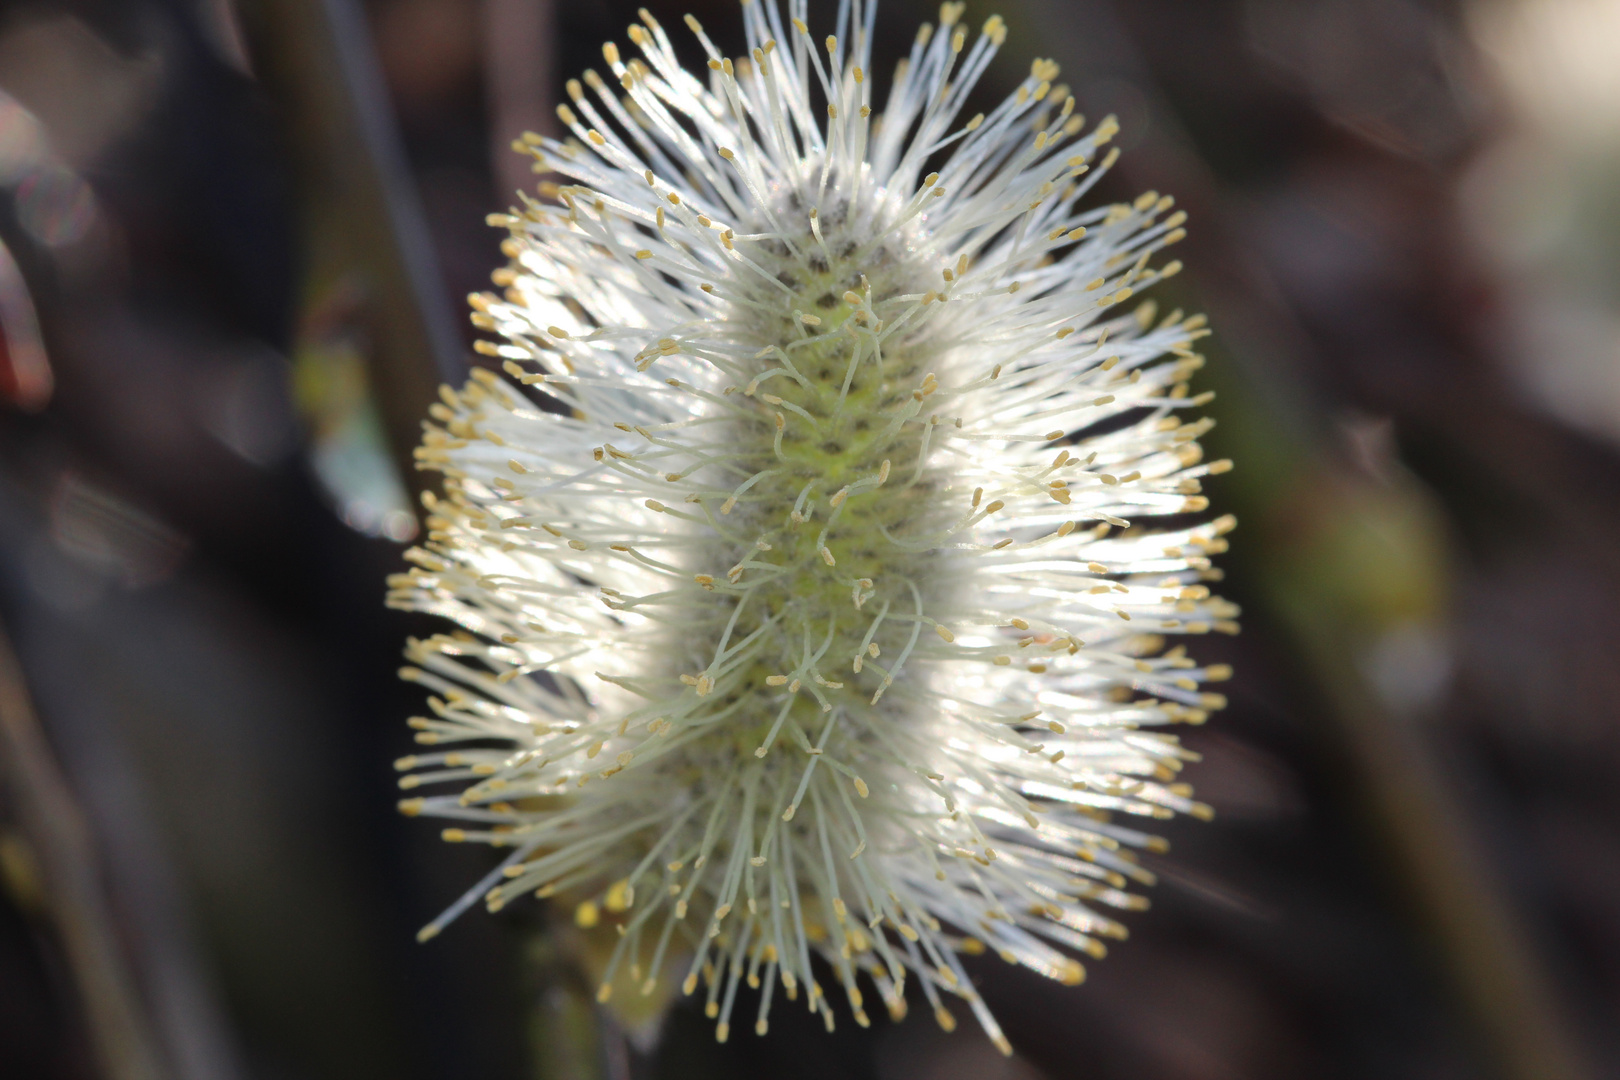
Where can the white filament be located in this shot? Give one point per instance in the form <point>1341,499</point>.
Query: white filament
<point>817,617</point>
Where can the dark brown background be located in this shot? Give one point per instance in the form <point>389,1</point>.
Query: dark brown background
<point>1405,231</point>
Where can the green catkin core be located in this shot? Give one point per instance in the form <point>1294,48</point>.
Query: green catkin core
<point>854,408</point>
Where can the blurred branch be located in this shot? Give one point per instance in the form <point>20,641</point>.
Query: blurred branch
<point>571,1036</point>
<point>25,371</point>
<point>519,66</point>
<point>316,59</point>
<point>1491,963</point>
<point>58,835</point>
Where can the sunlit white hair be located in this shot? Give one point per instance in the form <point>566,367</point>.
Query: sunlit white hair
<point>806,603</point>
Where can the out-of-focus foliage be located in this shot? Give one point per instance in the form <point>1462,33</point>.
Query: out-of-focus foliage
<point>1404,229</point>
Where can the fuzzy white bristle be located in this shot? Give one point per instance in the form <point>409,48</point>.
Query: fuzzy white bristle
<point>813,613</point>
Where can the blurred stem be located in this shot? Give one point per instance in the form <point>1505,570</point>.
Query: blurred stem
<point>573,1037</point>
<point>1490,961</point>
<point>1340,559</point>
<point>519,69</point>
<point>61,847</point>
<point>1333,597</point>
<point>316,59</point>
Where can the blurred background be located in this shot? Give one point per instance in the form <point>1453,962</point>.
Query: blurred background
<point>235,241</point>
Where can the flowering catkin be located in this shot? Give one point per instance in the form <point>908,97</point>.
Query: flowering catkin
<point>806,607</point>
